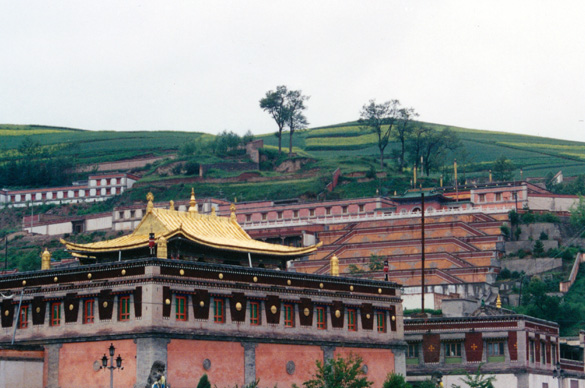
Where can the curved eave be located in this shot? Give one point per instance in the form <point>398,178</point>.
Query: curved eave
<point>109,248</point>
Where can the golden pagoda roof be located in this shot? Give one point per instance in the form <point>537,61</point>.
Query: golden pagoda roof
<point>208,230</point>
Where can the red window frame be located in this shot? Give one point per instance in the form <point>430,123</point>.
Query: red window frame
<point>181,307</point>
<point>124,308</point>
<point>218,310</point>
<point>23,317</point>
<point>88,311</point>
<point>55,314</point>
<point>381,321</point>
<point>289,315</point>
<point>321,318</point>
<point>255,313</point>
<point>351,320</point>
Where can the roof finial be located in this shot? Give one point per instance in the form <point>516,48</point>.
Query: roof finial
<point>213,210</point>
<point>172,205</point>
<point>233,211</point>
<point>193,202</point>
<point>149,198</point>
<point>334,265</point>
<point>499,302</point>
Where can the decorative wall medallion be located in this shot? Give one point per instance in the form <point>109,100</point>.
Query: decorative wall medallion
<point>289,283</point>
<point>239,306</point>
<point>307,312</point>
<point>123,272</point>
<point>379,290</point>
<point>182,272</point>
<point>207,364</point>
<point>290,367</point>
<point>89,276</point>
<point>365,369</point>
<point>273,309</point>
<point>320,285</point>
<point>202,304</point>
<point>105,304</point>
<point>393,317</point>
<point>351,288</point>
<point>38,310</point>
<point>97,365</point>
<point>6,312</point>
<point>221,276</point>
<point>70,307</point>
<point>55,279</point>
<point>24,282</point>
<point>255,279</point>
<point>368,316</point>
<point>337,313</point>
<point>167,301</point>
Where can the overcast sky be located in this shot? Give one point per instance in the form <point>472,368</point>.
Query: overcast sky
<point>203,66</point>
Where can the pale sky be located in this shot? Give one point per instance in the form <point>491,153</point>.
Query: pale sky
<point>514,66</point>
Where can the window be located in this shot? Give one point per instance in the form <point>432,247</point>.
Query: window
<point>498,196</point>
<point>23,317</point>
<point>289,315</point>
<point>132,213</point>
<point>311,212</point>
<point>181,308</point>
<point>279,215</point>
<point>55,314</point>
<point>248,217</point>
<point>361,208</point>
<point>218,310</point>
<point>296,214</point>
<point>344,209</point>
<point>381,321</point>
<point>495,351</point>
<point>124,314</point>
<point>351,322</point>
<point>531,359</point>
<point>543,353</point>
<point>412,351</point>
<point>328,210</point>
<point>452,352</point>
<point>263,216</point>
<point>481,197</point>
<point>321,318</point>
<point>255,313</point>
<point>88,311</point>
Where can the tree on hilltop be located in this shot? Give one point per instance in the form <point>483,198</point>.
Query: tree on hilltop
<point>295,105</point>
<point>379,119</point>
<point>403,129</point>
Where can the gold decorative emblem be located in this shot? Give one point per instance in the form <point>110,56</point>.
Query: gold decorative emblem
<point>202,304</point>
<point>393,318</point>
<point>167,301</point>
<point>431,348</point>
<point>182,272</point>
<point>337,313</point>
<point>306,311</point>
<point>24,282</point>
<point>55,279</point>
<point>70,307</point>
<point>379,290</point>
<point>221,276</point>
<point>105,304</point>
<point>474,347</point>
<point>351,288</point>
<point>273,309</point>
<point>6,312</point>
<point>89,276</point>
<point>288,282</point>
<point>38,310</point>
<point>255,279</point>
<point>320,285</point>
<point>123,272</point>
<point>239,306</point>
<point>368,316</point>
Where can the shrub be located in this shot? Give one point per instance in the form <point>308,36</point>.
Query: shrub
<point>204,382</point>
<point>339,372</point>
<point>538,250</point>
<point>394,380</point>
<point>543,236</point>
<point>505,231</point>
<point>505,274</point>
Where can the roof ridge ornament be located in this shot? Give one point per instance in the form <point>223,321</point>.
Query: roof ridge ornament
<point>233,211</point>
<point>213,211</point>
<point>172,205</point>
<point>149,198</point>
<point>192,202</point>
<point>46,260</point>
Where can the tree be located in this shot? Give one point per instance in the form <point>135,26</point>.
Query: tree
<point>403,128</point>
<point>578,213</point>
<point>379,119</point>
<point>430,147</point>
<point>339,373</point>
<point>538,250</point>
<point>394,380</point>
<point>477,380</point>
<point>204,382</point>
<point>275,104</point>
<point>503,169</point>
<point>295,119</point>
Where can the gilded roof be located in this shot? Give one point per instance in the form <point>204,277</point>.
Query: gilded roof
<point>208,230</point>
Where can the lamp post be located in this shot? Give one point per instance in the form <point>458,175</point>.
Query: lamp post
<point>559,373</point>
<point>118,365</point>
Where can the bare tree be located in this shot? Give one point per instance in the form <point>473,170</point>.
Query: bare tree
<point>379,119</point>
<point>295,105</point>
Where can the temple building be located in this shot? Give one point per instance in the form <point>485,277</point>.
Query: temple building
<point>187,294</point>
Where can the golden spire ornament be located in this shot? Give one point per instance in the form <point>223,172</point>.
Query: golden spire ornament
<point>193,202</point>
<point>149,198</point>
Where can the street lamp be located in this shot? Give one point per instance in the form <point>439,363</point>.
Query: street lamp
<point>558,373</point>
<point>112,351</point>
